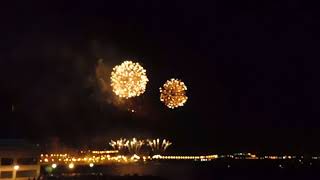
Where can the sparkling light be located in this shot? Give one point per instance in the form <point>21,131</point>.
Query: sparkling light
<point>16,167</point>
<point>91,164</point>
<point>135,145</point>
<point>158,146</point>
<point>119,144</point>
<point>128,79</point>
<point>173,93</point>
<point>54,166</point>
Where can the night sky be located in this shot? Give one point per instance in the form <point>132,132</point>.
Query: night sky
<point>251,69</point>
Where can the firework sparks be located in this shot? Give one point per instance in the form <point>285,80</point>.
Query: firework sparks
<point>120,144</point>
<point>158,146</point>
<point>129,79</point>
<point>123,145</point>
<point>135,145</point>
<point>173,93</point>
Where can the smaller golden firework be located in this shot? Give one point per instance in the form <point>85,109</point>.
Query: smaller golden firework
<point>173,93</point>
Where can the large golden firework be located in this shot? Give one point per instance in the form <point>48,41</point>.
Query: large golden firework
<point>128,79</point>
<point>173,93</point>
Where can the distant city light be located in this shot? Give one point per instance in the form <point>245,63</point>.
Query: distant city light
<point>110,156</point>
<point>130,154</point>
<point>105,152</point>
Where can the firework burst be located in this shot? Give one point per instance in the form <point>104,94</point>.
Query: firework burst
<point>173,93</point>
<point>128,79</point>
<point>157,146</point>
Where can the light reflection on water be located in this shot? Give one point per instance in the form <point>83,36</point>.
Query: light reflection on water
<point>214,170</point>
<point>155,169</point>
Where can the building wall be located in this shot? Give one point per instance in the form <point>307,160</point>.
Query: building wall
<point>19,165</point>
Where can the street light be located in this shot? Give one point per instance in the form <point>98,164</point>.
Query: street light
<point>54,166</point>
<point>71,165</point>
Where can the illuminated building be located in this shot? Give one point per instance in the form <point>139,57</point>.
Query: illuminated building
<point>18,160</point>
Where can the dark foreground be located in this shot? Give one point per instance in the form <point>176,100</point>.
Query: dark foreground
<point>238,170</point>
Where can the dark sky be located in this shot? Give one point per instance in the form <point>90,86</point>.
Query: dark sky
<point>251,69</point>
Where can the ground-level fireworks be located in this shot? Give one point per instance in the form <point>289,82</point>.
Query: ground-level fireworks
<point>120,144</point>
<point>128,79</point>
<point>125,146</point>
<point>158,146</point>
<point>134,145</point>
<point>173,93</point>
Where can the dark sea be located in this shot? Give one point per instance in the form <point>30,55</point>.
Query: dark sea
<point>188,170</point>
